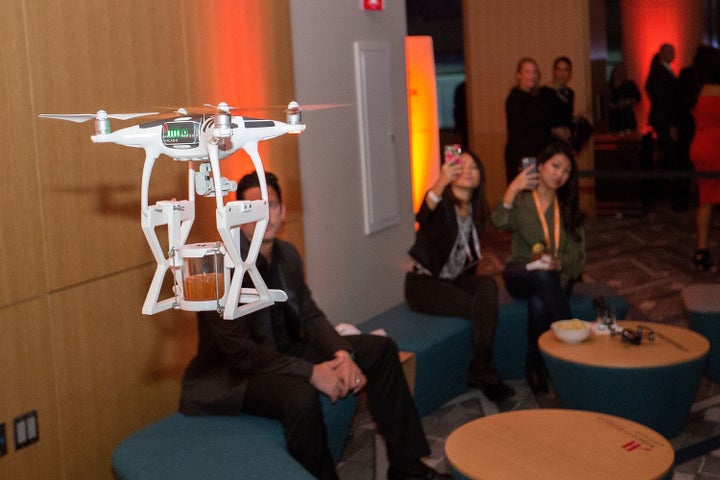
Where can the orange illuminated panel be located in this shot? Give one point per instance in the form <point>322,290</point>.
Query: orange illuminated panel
<point>647,24</point>
<point>239,55</point>
<point>422,115</point>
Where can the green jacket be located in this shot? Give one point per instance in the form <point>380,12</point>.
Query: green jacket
<point>522,220</point>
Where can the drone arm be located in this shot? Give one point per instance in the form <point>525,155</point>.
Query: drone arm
<point>251,147</point>
<point>217,178</point>
<point>150,156</point>
<point>191,182</point>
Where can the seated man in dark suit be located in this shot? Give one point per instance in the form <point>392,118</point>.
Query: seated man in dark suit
<point>278,361</point>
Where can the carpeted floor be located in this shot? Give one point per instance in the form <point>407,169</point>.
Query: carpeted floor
<point>647,259</point>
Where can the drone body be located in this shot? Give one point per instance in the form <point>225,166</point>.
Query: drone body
<point>206,276</point>
<point>187,137</point>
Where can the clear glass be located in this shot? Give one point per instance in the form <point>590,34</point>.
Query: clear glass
<point>203,277</point>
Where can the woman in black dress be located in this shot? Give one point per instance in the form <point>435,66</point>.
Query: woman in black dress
<point>528,128</point>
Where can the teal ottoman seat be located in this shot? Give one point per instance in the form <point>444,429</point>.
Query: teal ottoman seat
<point>182,447</point>
<point>442,347</point>
<point>511,333</point>
<point>624,392</point>
<point>702,302</point>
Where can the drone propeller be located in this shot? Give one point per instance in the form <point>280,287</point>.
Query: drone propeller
<point>100,115</point>
<point>221,107</point>
<point>323,106</point>
<point>307,108</point>
<point>293,112</point>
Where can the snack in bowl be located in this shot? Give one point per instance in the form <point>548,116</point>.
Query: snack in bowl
<point>571,331</point>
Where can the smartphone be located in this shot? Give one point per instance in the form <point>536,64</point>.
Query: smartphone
<point>453,153</point>
<point>528,161</point>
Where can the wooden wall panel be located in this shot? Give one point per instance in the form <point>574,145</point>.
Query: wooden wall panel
<point>497,34</point>
<point>22,255</point>
<point>114,56</point>
<point>76,266</point>
<point>27,383</point>
<point>115,368</point>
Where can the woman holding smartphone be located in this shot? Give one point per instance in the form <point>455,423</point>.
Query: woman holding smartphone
<point>441,278</point>
<point>541,210</point>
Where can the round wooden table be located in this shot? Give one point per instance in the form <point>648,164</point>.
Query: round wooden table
<point>556,444</point>
<point>653,383</point>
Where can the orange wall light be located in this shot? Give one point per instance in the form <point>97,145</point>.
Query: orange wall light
<point>422,115</point>
<point>647,24</point>
<point>240,62</point>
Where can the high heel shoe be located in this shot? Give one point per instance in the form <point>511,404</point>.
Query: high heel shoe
<point>702,261</point>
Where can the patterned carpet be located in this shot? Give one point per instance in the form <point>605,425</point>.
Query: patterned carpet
<point>647,259</point>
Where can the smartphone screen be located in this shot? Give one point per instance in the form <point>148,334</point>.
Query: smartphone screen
<point>453,153</point>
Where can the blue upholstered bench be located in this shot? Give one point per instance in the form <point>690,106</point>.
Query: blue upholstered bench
<point>249,447</point>
<point>442,344</point>
<point>246,447</point>
<point>702,302</point>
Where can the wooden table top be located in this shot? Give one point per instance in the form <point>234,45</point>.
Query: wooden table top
<point>672,345</point>
<point>557,444</point>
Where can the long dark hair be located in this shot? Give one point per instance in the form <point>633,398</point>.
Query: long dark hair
<point>568,196</point>
<point>478,200</point>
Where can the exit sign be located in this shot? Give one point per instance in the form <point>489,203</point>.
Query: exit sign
<point>372,4</point>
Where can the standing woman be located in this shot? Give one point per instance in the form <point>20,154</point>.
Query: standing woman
<point>441,279</point>
<point>624,95</point>
<point>559,100</point>
<point>704,152</point>
<point>528,126</point>
<point>548,245</point>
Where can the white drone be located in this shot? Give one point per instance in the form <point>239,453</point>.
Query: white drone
<point>206,276</point>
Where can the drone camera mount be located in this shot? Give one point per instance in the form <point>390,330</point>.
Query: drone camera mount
<point>205,186</point>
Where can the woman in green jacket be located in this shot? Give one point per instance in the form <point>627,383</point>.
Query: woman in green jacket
<point>541,209</point>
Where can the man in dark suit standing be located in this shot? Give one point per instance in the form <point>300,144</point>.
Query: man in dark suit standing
<point>277,362</point>
<point>665,110</point>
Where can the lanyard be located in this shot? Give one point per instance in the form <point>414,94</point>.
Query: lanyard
<point>543,222</point>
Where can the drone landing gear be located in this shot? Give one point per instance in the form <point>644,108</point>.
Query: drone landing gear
<point>207,276</point>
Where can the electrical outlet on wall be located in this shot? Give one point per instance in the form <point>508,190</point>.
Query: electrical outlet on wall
<point>26,430</point>
<point>3,440</point>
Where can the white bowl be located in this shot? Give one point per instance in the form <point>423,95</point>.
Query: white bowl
<point>571,331</point>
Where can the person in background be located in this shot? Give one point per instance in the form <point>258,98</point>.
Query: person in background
<point>704,152</point>
<point>666,118</point>
<point>528,128</point>
<point>662,88</point>
<point>541,210</point>
<point>442,279</point>
<point>277,362</point>
<point>559,99</point>
<point>624,96</point>
<point>460,113</point>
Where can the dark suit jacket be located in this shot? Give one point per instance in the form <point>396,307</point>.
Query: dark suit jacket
<point>437,234</point>
<point>662,88</point>
<point>528,125</point>
<point>267,342</point>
